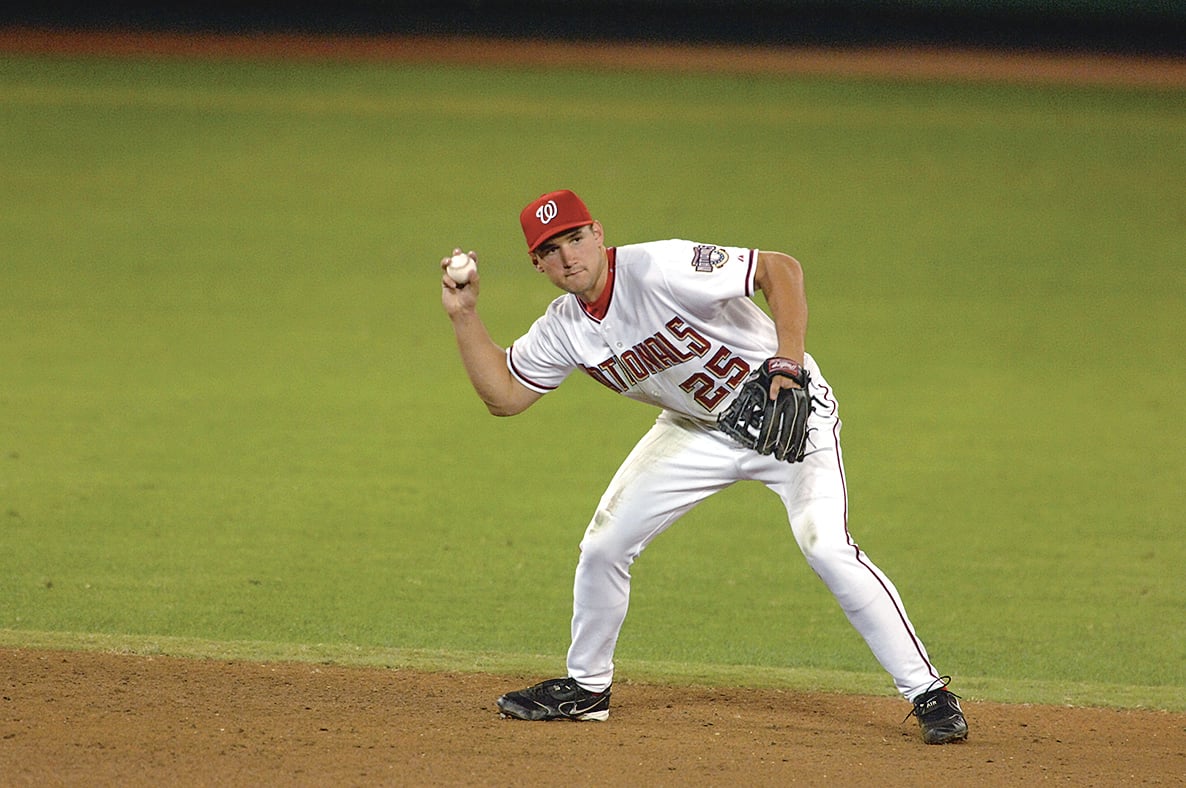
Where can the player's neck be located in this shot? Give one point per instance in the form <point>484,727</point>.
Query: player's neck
<point>596,301</point>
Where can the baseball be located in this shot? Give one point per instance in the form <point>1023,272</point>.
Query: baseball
<point>461,268</point>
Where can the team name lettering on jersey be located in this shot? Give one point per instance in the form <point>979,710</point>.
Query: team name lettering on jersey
<point>674,344</point>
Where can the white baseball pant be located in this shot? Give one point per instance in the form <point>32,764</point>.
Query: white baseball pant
<point>678,464</point>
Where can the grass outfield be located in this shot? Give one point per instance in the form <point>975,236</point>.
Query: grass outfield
<point>232,420</point>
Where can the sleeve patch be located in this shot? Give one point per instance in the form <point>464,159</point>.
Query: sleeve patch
<point>706,259</point>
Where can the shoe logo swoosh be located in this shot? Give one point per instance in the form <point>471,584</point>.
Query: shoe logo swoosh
<point>572,709</point>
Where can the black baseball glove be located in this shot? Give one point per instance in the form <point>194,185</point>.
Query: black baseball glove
<point>777,427</point>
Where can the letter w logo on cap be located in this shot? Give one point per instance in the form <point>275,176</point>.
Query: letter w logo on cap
<point>547,212</point>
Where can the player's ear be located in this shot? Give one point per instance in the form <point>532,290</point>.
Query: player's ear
<point>535,262</point>
<point>598,231</point>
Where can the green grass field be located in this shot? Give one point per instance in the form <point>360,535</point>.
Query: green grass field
<point>232,420</point>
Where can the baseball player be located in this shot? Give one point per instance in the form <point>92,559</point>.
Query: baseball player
<point>673,324</point>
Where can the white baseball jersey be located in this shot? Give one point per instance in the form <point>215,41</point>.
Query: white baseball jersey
<point>679,330</point>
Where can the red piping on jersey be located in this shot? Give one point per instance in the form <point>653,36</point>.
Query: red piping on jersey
<point>523,378</point>
<point>600,308</point>
<point>751,272</point>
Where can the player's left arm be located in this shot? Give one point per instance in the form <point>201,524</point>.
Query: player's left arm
<point>780,278</point>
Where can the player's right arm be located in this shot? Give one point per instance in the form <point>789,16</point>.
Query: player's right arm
<point>485,362</point>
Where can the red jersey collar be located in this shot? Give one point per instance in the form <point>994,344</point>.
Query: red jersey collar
<point>600,308</point>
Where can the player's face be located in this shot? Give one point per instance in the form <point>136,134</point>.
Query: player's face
<point>575,261</point>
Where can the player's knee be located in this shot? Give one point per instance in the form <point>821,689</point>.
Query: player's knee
<point>820,531</point>
<point>607,546</point>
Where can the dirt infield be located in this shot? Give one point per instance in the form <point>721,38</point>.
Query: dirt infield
<point>101,719</point>
<point>74,718</point>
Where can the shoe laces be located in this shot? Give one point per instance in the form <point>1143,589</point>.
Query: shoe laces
<point>942,683</point>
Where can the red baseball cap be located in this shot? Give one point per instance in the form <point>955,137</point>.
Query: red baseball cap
<point>551,214</point>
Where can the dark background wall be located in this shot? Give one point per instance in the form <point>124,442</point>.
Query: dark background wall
<point>1146,26</point>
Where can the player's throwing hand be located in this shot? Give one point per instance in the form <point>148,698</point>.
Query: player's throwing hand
<point>459,281</point>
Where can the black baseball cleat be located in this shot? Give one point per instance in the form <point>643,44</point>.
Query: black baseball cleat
<point>939,715</point>
<point>556,699</point>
